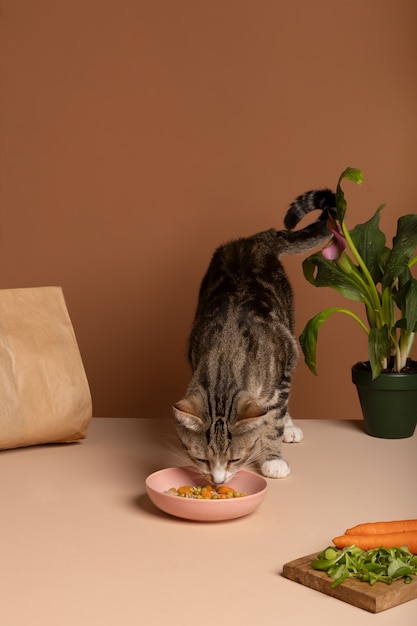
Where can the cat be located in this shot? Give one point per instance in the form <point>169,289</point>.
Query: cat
<point>242,350</point>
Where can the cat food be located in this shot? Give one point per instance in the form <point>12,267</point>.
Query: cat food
<point>208,492</point>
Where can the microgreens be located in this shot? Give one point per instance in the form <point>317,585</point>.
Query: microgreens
<point>378,565</point>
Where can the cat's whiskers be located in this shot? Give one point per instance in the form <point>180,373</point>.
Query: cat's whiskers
<point>177,451</point>
<point>252,459</point>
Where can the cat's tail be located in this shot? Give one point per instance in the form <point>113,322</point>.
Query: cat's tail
<point>316,233</point>
<point>322,199</point>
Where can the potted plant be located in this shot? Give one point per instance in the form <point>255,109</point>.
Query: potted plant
<point>360,266</point>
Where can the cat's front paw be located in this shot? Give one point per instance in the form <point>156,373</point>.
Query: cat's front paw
<point>292,434</point>
<point>277,468</point>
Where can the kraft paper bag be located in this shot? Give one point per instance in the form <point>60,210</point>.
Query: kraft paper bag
<point>44,392</point>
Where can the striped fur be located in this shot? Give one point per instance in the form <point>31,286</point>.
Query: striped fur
<point>242,350</point>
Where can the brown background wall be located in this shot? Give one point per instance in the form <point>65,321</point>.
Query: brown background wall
<point>137,136</point>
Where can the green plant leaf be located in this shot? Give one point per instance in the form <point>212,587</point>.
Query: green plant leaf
<point>370,243</point>
<point>308,338</point>
<point>406,299</point>
<point>378,344</point>
<point>356,176</point>
<point>388,308</point>
<point>403,248</point>
<point>402,323</point>
<point>323,273</point>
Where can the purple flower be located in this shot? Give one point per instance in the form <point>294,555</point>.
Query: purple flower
<point>335,248</point>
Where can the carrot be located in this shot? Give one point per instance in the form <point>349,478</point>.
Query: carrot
<point>225,489</point>
<point>185,490</point>
<point>384,540</point>
<point>377,528</point>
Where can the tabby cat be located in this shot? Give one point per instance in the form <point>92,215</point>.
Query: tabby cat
<point>242,350</point>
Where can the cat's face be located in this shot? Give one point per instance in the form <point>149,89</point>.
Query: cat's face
<point>216,447</point>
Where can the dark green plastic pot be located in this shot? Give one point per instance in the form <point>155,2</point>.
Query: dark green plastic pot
<point>389,403</point>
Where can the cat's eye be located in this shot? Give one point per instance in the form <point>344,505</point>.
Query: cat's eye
<point>201,460</point>
<point>234,460</point>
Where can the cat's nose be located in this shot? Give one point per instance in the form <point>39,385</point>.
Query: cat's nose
<point>219,475</point>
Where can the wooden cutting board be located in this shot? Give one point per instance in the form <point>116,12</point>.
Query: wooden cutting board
<point>376,598</point>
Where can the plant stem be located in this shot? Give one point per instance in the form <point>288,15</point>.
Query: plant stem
<point>356,318</point>
<point>412,261</point>
<point>404,348</point>
<point>370,285</point>
<point>348,267</point>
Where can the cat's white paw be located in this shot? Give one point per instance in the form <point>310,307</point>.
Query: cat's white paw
<point>277,468</point>
<point>292,433</point>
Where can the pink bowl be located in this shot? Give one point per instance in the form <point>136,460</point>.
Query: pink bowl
<point>253,485</point>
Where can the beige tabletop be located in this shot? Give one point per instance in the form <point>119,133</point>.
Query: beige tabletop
<point>81,544</point>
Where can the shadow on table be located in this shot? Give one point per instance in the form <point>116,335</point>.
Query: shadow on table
<point>353,425</point>
<point>143,503</point>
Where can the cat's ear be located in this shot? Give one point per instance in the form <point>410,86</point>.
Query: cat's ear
<point>186,413</point>
<point>249,414</point>
<point>248,408</point>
